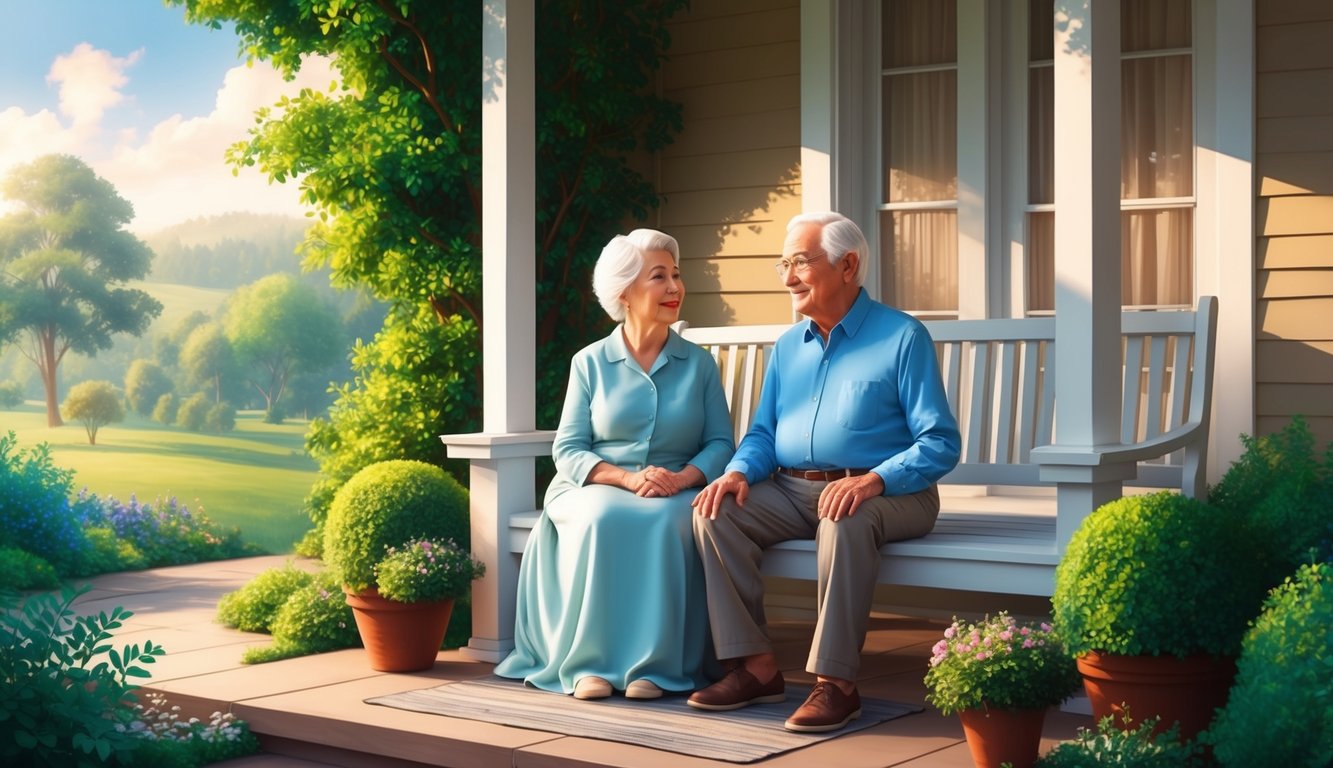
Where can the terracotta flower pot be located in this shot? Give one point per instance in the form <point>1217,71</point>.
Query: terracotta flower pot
<point>997,736</point>
<point>399,637</point>
<point>1187,690</point>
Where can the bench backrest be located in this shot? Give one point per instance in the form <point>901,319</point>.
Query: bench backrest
<point>1000,379</point>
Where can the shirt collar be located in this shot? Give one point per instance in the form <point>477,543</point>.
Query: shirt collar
<point>616,350</point>
<point>850,322</point>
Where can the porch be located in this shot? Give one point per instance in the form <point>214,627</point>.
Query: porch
<point>309,711</point>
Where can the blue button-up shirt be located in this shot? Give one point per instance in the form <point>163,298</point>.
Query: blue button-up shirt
<point>869,398</point>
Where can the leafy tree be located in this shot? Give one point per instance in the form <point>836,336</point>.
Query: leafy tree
<point>145,382</point>
<point>167,348</point>
<point>193,412</point>
<point>207,358</point>
<point>278,326</point>
<point>94,404</point>
<point>165,410</point>
<point>68,257</point>
<point>391,160</point>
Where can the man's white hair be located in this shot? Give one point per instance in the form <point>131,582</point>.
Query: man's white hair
<point>838,237</point>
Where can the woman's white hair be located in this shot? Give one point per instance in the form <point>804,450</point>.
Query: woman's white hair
<point>838,236</point>
<point>620,263</point>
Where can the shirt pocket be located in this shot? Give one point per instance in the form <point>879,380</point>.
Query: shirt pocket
<point>862,404</point>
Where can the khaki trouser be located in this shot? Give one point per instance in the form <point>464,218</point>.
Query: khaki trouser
<point>783,508</point>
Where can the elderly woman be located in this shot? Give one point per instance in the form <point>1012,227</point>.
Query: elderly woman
<point>611,592</point>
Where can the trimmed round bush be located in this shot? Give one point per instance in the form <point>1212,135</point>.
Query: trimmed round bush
<point>1157,574</point>
<point>165,410</point>
<point>221,417</point>
<point>20,570</point>
<point>385,505</point>
<point>1280,711</point>
<point>193,412</point>
<point>253,607</point>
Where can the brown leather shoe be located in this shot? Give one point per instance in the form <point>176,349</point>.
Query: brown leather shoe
<point>739,689</point>
<point>827,708</point>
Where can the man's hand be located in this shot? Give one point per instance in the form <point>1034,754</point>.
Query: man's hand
<point>709,501</point>
<point>840,498</point>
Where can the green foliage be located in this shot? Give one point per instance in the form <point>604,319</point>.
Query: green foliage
<point>207,359</point>
<point>35,510</point>
<point>1280,711</point>
<point>11,394</point>
<point>1123,748</point>
<point>221,417</point>
<point>391,160</point>
<point>386,505</point>
<point>426,570</point>
<point>165,532</point>
<point>253,607</point>
<point>94,404</point>
<point>145,384</point>
<point>278,327</point>
<point>63,684</point>
<point>68,258</point>
<point>1000,663</point>
<point>108,553</point>
<point>1282,488</point>
<point>165,410</point>
<point>20,570</point>
<point>316,618</point>
<point>193,412</point>
<point>1157,574</point>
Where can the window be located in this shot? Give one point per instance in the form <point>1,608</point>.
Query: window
<point>919,212</point>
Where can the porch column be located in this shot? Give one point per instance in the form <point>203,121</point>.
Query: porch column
<point>1087,261</point>
<point>502,465</point>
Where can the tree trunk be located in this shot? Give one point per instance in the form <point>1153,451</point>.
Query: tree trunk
<point>47,363</point>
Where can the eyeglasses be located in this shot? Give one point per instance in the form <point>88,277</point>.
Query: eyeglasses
<point>801,264</point>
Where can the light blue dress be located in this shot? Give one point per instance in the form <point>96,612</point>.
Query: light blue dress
<point>610,584</point>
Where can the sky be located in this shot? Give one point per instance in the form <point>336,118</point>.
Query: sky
<point>149,102</point>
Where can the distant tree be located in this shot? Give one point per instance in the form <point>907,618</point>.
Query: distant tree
<point>94,404</point>
<point>278,326</point>
<point>193,412</point>
<point>11,394</point>
<point>221,417</point>
<point>207,358</point>
<point>68,256</point>
<point>165,410</point>
<point>145,383</point>
<point>167,348</point>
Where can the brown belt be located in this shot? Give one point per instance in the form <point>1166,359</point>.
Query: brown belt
<point>822,475</point>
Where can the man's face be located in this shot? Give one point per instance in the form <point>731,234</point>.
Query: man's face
<point>816,290</point>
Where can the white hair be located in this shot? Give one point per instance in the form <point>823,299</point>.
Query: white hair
<point>622,261</point>
<point>838,236</point>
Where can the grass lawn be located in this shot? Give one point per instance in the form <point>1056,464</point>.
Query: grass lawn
<point>253,478</point>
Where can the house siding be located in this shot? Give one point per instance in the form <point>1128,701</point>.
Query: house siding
<point>731,179</point>
<point>1294,215</point>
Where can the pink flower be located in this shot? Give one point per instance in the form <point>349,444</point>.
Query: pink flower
<point>951,631</point>
<point>425,546</point>
<point>981,656</point>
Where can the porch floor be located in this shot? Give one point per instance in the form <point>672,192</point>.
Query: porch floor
<point>309,711</point>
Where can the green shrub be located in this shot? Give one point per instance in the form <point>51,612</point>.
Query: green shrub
<point>385,505</point>
<point>316,618</point>
<point>1156,574</point>
<point>20,570</point>
<point>165,410</point>
<point>193,412</point>
<point>165,532</point>
<point>1283,489</point>
<point>253,607</point>
<point>63,687</point>
<point>11,394</point>
<point>145,383</point>
<point>1280,711</point>
<point>221,417</point>
<point>107,553</point>
<point>1112,746</point>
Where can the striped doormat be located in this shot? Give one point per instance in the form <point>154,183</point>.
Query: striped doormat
<point>740,736</point>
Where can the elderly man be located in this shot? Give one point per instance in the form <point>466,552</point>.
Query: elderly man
<point>851,434</point>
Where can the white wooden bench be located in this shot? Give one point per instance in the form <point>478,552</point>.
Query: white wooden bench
<point>999,529</point>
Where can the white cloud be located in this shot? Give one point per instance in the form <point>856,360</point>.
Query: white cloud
<point>90,81</point>
<point>178,171</point>
<point>174,170</point>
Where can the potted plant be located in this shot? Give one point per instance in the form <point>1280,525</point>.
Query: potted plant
<point>1152,595</point>
<point>383,513</point>
<point>1000,676</point>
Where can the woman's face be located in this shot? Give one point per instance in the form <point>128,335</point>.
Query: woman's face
<point>655,295</point>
